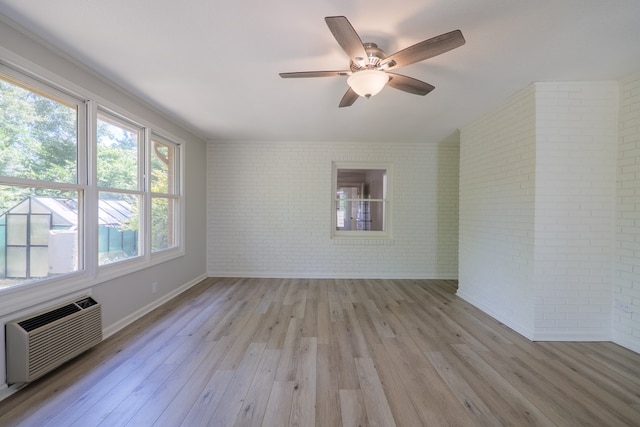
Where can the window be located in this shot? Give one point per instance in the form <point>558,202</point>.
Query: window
<point>164,194</point>
<point>40,181</point>
<point>361,198</point>
<point>73,201</point>
<point>119,194</point>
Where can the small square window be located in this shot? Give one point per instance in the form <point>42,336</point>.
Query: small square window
<point>361,199</point>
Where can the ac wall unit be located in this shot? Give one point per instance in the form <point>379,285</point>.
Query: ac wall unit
<point>45,340</point>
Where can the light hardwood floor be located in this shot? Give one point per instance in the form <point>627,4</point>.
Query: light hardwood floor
<point>278,352</point>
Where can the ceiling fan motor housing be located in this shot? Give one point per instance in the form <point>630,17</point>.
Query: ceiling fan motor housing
<point>373,59</point>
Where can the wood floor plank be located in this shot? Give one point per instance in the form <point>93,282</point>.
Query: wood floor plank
<point>399,386</point>
<point>327,397</point>
<point>278,410</point>
<point>255,402</point>
<point>204,407</point>
<point>335,307</point>
<point>330,352</point>
<point>341,354</point>
<point>226,411</point>
<point>353,412</point>
<point>375,400</point>
<point>379,321</point>
<point>289,358</point>
<point>303,406</point>
<point>323,327</point>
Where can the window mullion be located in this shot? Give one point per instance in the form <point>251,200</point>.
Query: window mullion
<point>90,201</point>
<point>145,172</point>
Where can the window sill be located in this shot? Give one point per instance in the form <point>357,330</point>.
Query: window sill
<point>20,297</point>
<point>352,239</point>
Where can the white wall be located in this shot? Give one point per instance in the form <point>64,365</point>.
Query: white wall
<point>497,185</point>
<point>576,136</point>
<point>537,210</point>
<point>127,297</point>
<point>626,280</point>
<point>270,207</point>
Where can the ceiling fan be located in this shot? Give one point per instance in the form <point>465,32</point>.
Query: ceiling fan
<point>369,66</point>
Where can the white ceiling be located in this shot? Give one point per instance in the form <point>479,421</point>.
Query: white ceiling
<point>213,65</point>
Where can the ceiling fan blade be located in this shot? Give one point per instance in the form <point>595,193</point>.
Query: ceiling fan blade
<point>409,84</point>
<point>303,74</point>
<point>349,98</point>
<point>424,50</point>
<point>346,37</point>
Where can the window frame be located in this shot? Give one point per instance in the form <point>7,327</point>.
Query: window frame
<point>56,93</point>
<point>139,191</point>
<point>175,195</point>
<point>386,233</point>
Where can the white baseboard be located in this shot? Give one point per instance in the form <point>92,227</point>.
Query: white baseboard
<point>6,391</point>
<point>568,335</point>
<point>572,336</point>
<point>519,328</point>
<point>628,344</point>
<point>306,275</point>
<point>126,321</point>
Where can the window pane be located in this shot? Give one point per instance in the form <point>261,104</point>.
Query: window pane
<point>162,167</point>
<point>38,135</point>
<point>16,229</point>
<point>41,230</point>
<point>117,152</point>
<point>163,219</point>
<point>17,262</point>
<point>39,261</point>
<point>360,199</point>
<point>40,224</point>
<point>359,215</point>
<point>118,227</point>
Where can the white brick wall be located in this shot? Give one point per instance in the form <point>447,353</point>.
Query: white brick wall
<point>537,179</point>
<point>626,286</point>
<point>576,133</point>
<point>497,179</point>
<point>269,207</point>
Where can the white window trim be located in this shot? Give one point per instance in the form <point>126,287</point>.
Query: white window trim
<point>360,234</point>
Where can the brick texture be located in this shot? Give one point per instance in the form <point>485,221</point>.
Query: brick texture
<point>537,179</point>
<point>576,135</point>
<point>626,281</point>
<point>269,207</point>
<point>497,183</point>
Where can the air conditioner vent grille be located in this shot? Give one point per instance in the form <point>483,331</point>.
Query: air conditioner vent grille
<point>49,317</point>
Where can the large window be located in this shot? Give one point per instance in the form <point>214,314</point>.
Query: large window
<point>361,203</point>
<point>74,200</point>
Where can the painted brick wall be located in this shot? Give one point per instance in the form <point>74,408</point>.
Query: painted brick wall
<point>537,184</point>
<point>497,178</point>
<point>626,287</point>
<point>269,207</point>
<point>576,135</point>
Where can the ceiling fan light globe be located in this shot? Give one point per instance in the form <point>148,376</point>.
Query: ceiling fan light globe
<point>368,83</point>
